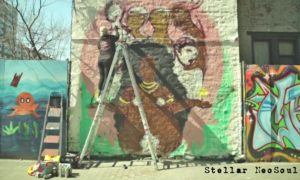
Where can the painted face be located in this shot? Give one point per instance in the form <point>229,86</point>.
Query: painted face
<point>114,12</point>
<point>25,106</point>
<point>188,54</point>
<point>25,99</point>
<point>128,95</point>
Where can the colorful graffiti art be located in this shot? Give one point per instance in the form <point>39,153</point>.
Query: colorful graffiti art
<point>23,103</point>
<point>167,48</point>
<point>273,113</point>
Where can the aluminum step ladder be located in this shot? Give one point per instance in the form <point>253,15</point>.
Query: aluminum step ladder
<point>121,49</point>
<point>51,139</point>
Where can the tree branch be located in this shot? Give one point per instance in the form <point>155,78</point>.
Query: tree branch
<point>40,37</point>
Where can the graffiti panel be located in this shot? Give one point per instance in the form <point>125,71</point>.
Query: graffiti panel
<point>176,53</point>
<point>272,113</point>
<point>26,86</point>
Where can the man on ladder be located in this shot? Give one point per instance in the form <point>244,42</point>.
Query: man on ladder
<point>120,52</point>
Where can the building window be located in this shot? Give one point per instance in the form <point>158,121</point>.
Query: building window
<point>275,48</point>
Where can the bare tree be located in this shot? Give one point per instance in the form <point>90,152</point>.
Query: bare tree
<point>38,35</point>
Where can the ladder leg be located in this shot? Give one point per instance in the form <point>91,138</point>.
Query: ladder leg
<point>44,129</point>
<point>100,109</point>
<point>140,107</point>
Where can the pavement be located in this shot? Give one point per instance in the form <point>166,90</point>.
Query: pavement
<point>168,170</point>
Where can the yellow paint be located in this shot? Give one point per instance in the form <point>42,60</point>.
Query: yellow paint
<point>203,92</point>
<point>52,158</point>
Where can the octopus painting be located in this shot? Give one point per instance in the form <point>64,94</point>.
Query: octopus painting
<point>25,106</point>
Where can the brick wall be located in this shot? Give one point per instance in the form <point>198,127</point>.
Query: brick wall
<point>193,64</point>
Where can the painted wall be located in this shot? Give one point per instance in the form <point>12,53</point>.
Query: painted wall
<point>265,16</point>
<point>25,87</point>
<point>272,113</point>
<point>185,55</point>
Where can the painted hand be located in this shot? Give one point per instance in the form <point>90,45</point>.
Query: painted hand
<point>204,104</point>
<point>160,101</point>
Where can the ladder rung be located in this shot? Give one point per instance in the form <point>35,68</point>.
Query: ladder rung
<point>50,152</point>
<point>51,139</point>
<point>52,126</point>
<point>53,119</point>
<point>54,112</point>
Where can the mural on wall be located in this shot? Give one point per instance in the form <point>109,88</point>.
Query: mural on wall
<point>273,113</point>
<point>25,89</point>
<point>186,92</point>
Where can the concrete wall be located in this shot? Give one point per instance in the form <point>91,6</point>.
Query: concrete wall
<point>265,16</point>
<point>200,114</point>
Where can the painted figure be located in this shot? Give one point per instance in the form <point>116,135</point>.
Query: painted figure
<point>136,17</point>
<point>186,53</point>
<point>182,20</point>
<point>114,15</point>
<point>159,19</point>
<point>160,106</point>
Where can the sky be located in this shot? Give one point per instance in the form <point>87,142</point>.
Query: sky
<point>58,10</point>
<point>62,10</point>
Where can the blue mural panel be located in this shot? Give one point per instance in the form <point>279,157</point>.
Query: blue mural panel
<point>26,86</point>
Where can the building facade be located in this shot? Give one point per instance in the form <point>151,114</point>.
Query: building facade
<point>8,30</point>
<point>269,36</point>
<point>269,31</point>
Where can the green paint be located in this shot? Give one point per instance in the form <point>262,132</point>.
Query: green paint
<point>35,129</point>
<point>257,91</point>
<point>102,145</point>
<point>19,125</point>
<point>26,129</point>
<point>275,91</point>
<point>180,151</point>
<point>211,146</point>
<point>270,145</point>
<point>288,144</point>
<point>252,104</point>
<point>10,130</point>
<point>215,136</point>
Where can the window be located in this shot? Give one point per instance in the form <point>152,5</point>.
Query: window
<point>275,48</point>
